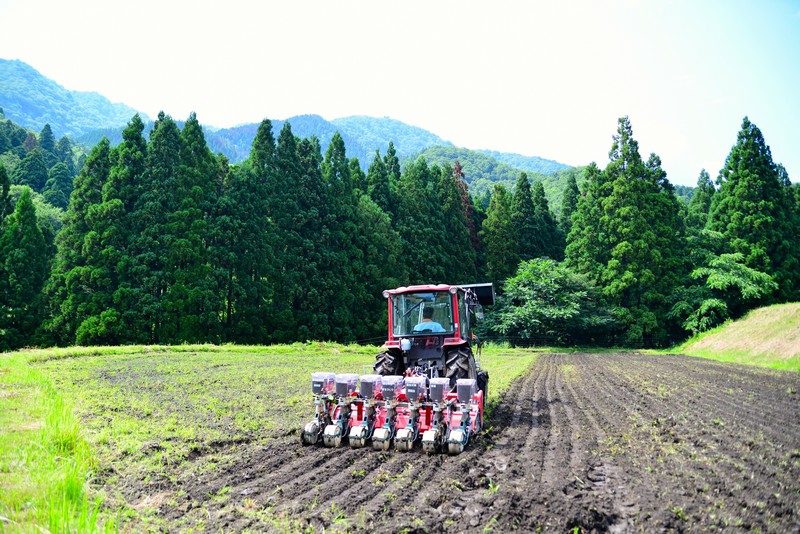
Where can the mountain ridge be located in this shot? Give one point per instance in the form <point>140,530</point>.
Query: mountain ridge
<point>33,100</point>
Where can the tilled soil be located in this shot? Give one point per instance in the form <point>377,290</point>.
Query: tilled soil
<point>622,442</point>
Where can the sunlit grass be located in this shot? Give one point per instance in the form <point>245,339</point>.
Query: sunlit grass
<point>766,337</point>
<point>44,459</point>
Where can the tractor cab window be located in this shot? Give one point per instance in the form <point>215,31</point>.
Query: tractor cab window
<point>422,313</point>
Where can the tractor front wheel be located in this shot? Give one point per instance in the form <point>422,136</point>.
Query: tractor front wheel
<point>388,363</point>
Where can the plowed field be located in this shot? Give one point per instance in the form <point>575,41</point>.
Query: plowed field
<point>622,442</point>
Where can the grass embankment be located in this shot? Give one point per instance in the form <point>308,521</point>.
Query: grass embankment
<point>140,417</point>
<point>768,337</point>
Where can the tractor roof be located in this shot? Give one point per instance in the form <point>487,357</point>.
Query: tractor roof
<point>484,292</point>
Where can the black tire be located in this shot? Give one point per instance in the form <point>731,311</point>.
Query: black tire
<point>459,363</point>
<point>388,363</point>
<point>483,384</point>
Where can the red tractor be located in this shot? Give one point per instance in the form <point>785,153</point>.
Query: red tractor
<point>427,385</point>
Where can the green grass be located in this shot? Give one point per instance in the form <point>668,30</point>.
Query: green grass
<point>44,458</point>
<point>138,415</point>
<point>766,337</point>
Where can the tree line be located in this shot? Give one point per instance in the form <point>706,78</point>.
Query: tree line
<point>162,241</point>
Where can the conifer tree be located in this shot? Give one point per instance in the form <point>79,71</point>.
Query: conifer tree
<point>253,232</point>
<point>30,143</point>
<point>457,219</point>
<point>421,226</point>
<point>317,284</point>
<point>569,204</point>
<point>628,238</point>
<point>699,205</point>
<point>751,210</point>
<point>5,199</point>
<point>59,186</point>
<point>357,176</point>
<point>64,154</point>
<point>23,270</point>
<point>47,143</point>
<point>31,171</point>
<point>72,291</point>
<point>284,196</point>
<point>151,273</point>
<point>115,306</point>
<point>197,196</point>
<point>392,163</point>
<point>587,245</point>
<point>345,307</point>
<point>498,236</point>
<point>378,187</point>
<point>524,221</point>
<point>552,238</point>
<point>467,206</point>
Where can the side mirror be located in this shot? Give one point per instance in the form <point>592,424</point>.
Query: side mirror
<point>479,313</point>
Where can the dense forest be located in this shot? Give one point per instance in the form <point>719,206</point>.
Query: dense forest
<point>159,240</point>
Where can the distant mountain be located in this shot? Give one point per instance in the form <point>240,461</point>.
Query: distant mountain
<point>362,136</point>
<point>527,163</point>
<point>32,100</point>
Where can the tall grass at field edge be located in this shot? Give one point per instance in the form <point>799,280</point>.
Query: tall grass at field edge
<point>44,459</point>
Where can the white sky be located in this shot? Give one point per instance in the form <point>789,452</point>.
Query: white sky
<point>547,79</point>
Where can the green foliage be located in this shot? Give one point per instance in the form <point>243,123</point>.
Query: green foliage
<point>420,222</point>
<point>569,204</point>
<point>699,205</point>
<point>524,221</point>
<point>24,267</point>
<point>31,171</point>
<point>72,290</point>
<point>499,239</point>
<point>481,171</point>
<point>753,210</point>
<point>5,200</point>
<point>531,164</point>
<point>628,238</point>
<point>551,237</point>
<point>546,301</point>
<point>58,186</point>
<point>163,242</point>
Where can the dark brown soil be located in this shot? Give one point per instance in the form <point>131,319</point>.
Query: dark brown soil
<point>622,442</point>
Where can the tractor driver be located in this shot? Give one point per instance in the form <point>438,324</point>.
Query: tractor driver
<point>428,324</point>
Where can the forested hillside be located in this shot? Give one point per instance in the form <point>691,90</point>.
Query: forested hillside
<point>526,163</point>
<point>30,99</point>
<point>162,241</point>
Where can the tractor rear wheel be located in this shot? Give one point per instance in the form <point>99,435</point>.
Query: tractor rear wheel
<point>460,364</point>
<point>483,383</point>
<point>388,363</point>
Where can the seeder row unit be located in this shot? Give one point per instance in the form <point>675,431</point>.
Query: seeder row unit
<point>399,410</point>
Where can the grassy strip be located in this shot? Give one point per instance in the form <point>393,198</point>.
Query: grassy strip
<point>766,337</point>
<point>44,459</point>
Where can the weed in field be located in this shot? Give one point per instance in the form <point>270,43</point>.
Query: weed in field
<point>490,526</point>
<point>360,473</point>
<point>456,485</point>
<point>680,513</point>
<point>337,515</point>
<point>493,488</point>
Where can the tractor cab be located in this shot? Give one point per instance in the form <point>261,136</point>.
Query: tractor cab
<point>428,323</point>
